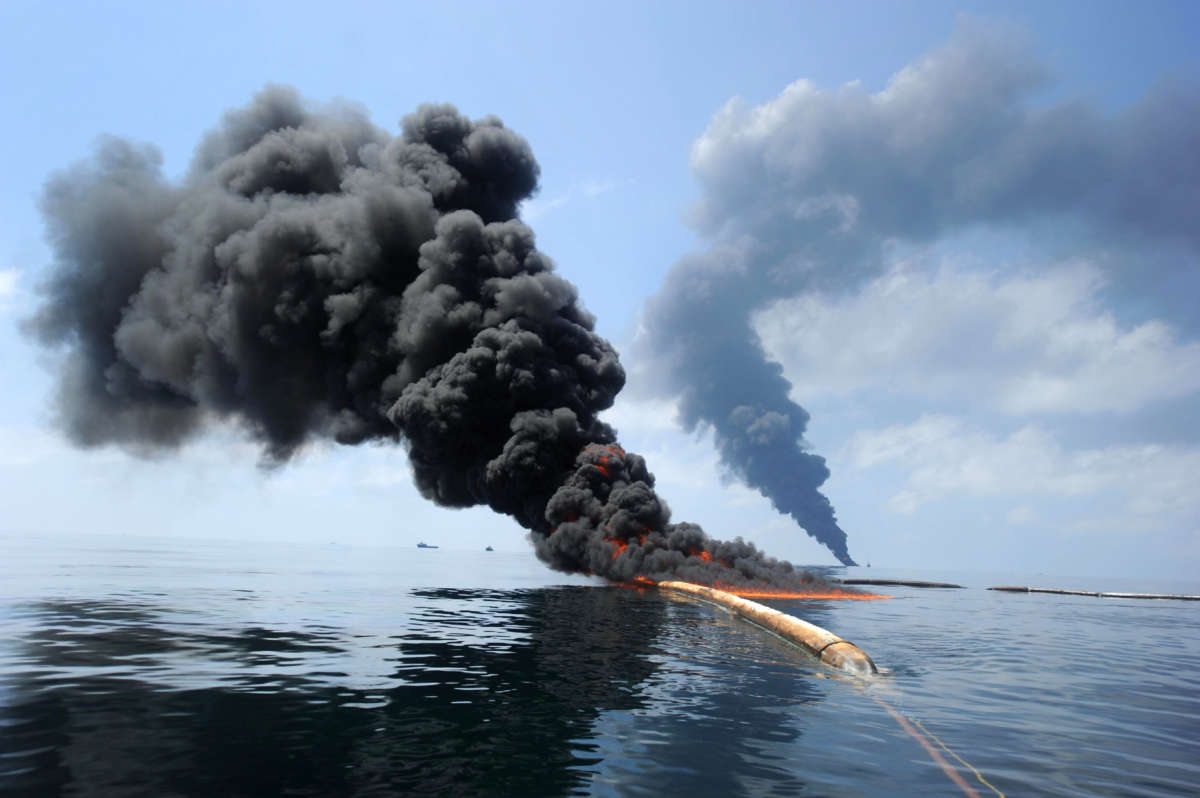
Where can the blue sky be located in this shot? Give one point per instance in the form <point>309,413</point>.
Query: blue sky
<point>1018,390</point>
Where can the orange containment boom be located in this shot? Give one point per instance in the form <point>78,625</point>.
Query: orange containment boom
<point>821,643</point>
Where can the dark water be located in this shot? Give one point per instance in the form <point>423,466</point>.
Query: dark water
<point>154,667</point>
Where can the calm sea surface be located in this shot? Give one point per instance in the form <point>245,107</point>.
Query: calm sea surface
<point>167,667</point>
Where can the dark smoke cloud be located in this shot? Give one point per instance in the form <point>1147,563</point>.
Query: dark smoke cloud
<point>803,193</point>
<point>314,277</point>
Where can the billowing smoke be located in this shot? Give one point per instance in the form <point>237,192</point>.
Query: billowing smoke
<point>314,277</point>
<point>806,192</point>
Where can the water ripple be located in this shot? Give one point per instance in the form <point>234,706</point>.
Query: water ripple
<point>339,674</point>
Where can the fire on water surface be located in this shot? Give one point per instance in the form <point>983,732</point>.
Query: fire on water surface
<point>757,592</point>
<point>751,592</point>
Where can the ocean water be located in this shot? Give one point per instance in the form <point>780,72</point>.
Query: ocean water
<point>163,667</point>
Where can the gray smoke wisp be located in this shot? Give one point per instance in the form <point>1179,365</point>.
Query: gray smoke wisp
<point>806,192</point>
<point>313,277</point>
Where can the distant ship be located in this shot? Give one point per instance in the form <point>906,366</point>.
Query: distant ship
<point>489,548</point>
<point>425,546</point>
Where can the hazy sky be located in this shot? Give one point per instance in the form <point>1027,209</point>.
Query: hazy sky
<point>993,206</point>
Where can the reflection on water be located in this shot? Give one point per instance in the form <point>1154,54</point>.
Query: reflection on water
<point>723,715</point>
<point>104,699</point>
<point>483,691</point>
<point>221,669</point>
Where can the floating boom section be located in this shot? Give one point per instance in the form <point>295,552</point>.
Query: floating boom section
<point>830,649</point>
<point>1097,594</point>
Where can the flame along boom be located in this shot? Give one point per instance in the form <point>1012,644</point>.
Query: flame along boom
<point>764,592</point>
<point>821,643</point>
<point>834,593</point>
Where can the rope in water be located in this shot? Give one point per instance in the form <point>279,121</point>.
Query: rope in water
<point>964,762</point>
<point>936,755</point>
<point>848,658</point>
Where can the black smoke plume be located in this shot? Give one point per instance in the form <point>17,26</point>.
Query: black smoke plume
<point>711,359</point>
<point>805,192</point>
<point>314,277</point>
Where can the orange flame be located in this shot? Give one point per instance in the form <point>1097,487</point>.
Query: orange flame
<point>640,582</point>
<point>613,451</point>
<point>637,583</point>
<point>771,593</point>
<point>704,555</point>
<point>621,545</point>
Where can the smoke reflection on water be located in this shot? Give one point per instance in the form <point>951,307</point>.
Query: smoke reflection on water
<point>483,691</point>
<point>234,669</point>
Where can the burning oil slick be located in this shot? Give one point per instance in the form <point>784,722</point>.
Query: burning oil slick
<point>315,277</point>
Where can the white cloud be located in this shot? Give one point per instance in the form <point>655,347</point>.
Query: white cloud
<point>536,208</point>
<point>642,415</point>
<point>594,188</point>
<point>382,467</point>
<point>1022,514</point>
<point>10,288</point>
<point>944,457</point>
<point>25,446</point>
<point>678,460</point>
<point>1019,343</point>
<point>8,282</point>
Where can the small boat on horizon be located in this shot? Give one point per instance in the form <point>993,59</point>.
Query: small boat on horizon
<point>489,548</point>
<point>424,545</point>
